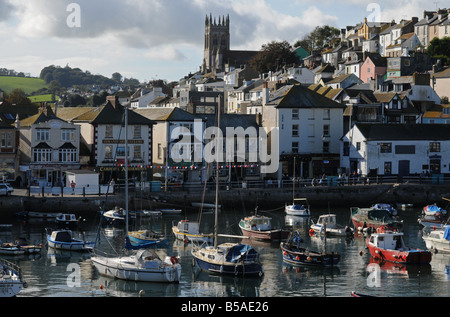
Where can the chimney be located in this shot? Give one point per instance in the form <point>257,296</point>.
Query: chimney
<point>113,100</point>
<point>265,93</point>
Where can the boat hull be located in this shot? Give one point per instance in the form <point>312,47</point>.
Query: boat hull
<point>293,211</point>
<point>75,245</point>
<point>189,237</point>
<point>266,235</point>
<point>365,223</point>
<point>10,288</point>
<point>413,256</point>
<point>147,243</point>
<point>115,269</point>
<point>231,269</point>
<point>300,256</point>
<point>332,232</point>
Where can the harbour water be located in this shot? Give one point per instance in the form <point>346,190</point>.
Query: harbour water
<point>71,274</point>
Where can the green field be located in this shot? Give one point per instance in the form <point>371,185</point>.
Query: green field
<point>28,85</point>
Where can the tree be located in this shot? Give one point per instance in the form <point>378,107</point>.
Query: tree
<point>117,77</point>
<point>17,97</point>
<point>440,48</point>
<point>273,56</point>
<point>319,38</point>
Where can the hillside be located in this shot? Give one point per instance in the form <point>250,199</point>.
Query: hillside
<point>28,85</point>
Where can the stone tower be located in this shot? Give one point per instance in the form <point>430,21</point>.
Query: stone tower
<point>217,43</point>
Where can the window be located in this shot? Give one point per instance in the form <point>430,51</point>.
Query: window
<point>6,140</point>
<point>387,168</point>
<point>121,151</point>
<point>326,114</point>
<point>295,130</point>
<point>109,131</point>
<point>137,132</point>
<point>108,152</point>
<point>67,135</point>
<point>67,155</point>
<point>358,146</point>
<point>326,130</point>
<point>137,152</point>
<point>435,147</point>
<point>295,114</point>
<point>42,155</point>
<point>405,149</point>
<point>160,151</point>
<point>386,148</point>
<point>294,147</point>
<point>346,149</point>
<point>42,134</point>
<point>326,147</point>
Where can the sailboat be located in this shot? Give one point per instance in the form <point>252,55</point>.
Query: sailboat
<point>227,258</point>
<point>297,208</point>
<point>144,265</point>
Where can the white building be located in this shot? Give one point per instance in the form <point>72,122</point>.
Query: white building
<point>144,97</point>
<point>396,149</point>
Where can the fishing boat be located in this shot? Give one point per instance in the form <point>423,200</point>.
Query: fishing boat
<point>63,240</point>
<point>387,207</point>
<point>438,240</point>
<point>327,224</point>
<point>234,259</point>
<point>299,207</point>
<point>260,228</point>
<point>372,218</point>
<point>11,249</point>
<point>189,231</point>
<point>388,245</point>
<point>67,220</point>
<point>294,254</point>
<point>435,221</point>
<point>11,280</point>
<point>433,210</point>
<point>142,265</point>
<point>146,239</point>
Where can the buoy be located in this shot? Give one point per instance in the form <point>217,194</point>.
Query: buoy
<point>361,253</point>
<point>101,286</point>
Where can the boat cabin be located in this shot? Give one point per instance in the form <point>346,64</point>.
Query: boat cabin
<point>66,217</point>
<point>186,226</point>
<point>329,220</point>
<point>388,240</point>
<point>257,223</point>
<point>62,236</point>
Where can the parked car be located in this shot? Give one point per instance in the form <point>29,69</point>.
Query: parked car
<point>6,189</point>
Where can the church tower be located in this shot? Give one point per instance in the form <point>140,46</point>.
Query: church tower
<point>217,42</point>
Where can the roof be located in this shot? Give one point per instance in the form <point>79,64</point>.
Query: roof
<point>394,132</point>
<point>231,120</point>
<point>297,96</point>
<point>166,114</point>
<point>442,74</point>
<point>108,114</point>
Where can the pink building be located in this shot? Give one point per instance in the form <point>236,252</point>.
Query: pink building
<point>373,66</point>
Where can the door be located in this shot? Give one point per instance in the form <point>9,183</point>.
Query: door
<point>403,168</point>
<point>435,166</point>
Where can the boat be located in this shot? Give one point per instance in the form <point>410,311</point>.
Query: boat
<point>116,215</point>
<point>296,255</point>
<point>189,231</point>
<point>40,215</point>
<point>204,205</point>
<point>327,224</point>
<point>433,210</point>
<point>388,245</point>
<point>11,279</point>
<point>146,239</point>
<point>438,240</point>
<point>235,259</point>
<point>387,207</point>
<point>372,218</point>
<point>67,220</point>
<point>260,228</point>
<point>11,249</point>
<point>297,208</point>
<point>63,240</point>
<point>141,265</point>
<point>171,211</point>
<point>357,294</point>
<point>435,221</point>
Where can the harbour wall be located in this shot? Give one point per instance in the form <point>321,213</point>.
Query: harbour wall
<point>264,198</point>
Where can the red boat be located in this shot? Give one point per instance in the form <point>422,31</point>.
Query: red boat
<point>374,218</point>
<point>389,246</point>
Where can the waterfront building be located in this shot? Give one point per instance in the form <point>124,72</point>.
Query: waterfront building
<point>49,146</point>
<point>396,149</point>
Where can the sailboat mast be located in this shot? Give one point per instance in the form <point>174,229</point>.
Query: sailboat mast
<point>126,170</point>
<point>293,185</point>
<point>216,219</point>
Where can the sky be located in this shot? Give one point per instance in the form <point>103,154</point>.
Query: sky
<point>163,39</point>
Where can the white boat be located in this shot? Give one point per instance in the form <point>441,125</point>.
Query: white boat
<point>142,265</point>
<point>11,281</point>
<point>327,224</point>
<point>63,240</point>
<point>11,249</point>
<point>298,208</point>
<point>69,220</point>
<point>189,231</point>
<point>438,240</point>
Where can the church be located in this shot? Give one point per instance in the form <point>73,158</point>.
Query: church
<point>218,57</point>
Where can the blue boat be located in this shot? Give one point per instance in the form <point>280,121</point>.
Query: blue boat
<point>296,255</point>
<point>145,239</point>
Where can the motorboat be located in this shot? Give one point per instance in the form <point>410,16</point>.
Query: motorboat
<point>143,266</point>
<point>146,239</point>
<point>435,221</point>
<point>387,207</point>
<point>388,245</point>
<point>67,220</point>
<point>117,215</point>
<point>63,240</point>
<point>299,207</point>
<point>260,228</point>
<point>433,210</point>
<point>11,279</point>
<point>438,240</point>
<point>189,231</point>
<point>372,218</point>
<point>327,224</point>
<point>294,254</point>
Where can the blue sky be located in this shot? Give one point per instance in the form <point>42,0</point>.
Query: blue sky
<point>163,39</point>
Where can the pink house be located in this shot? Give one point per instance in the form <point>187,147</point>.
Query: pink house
<point>373,66</point>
